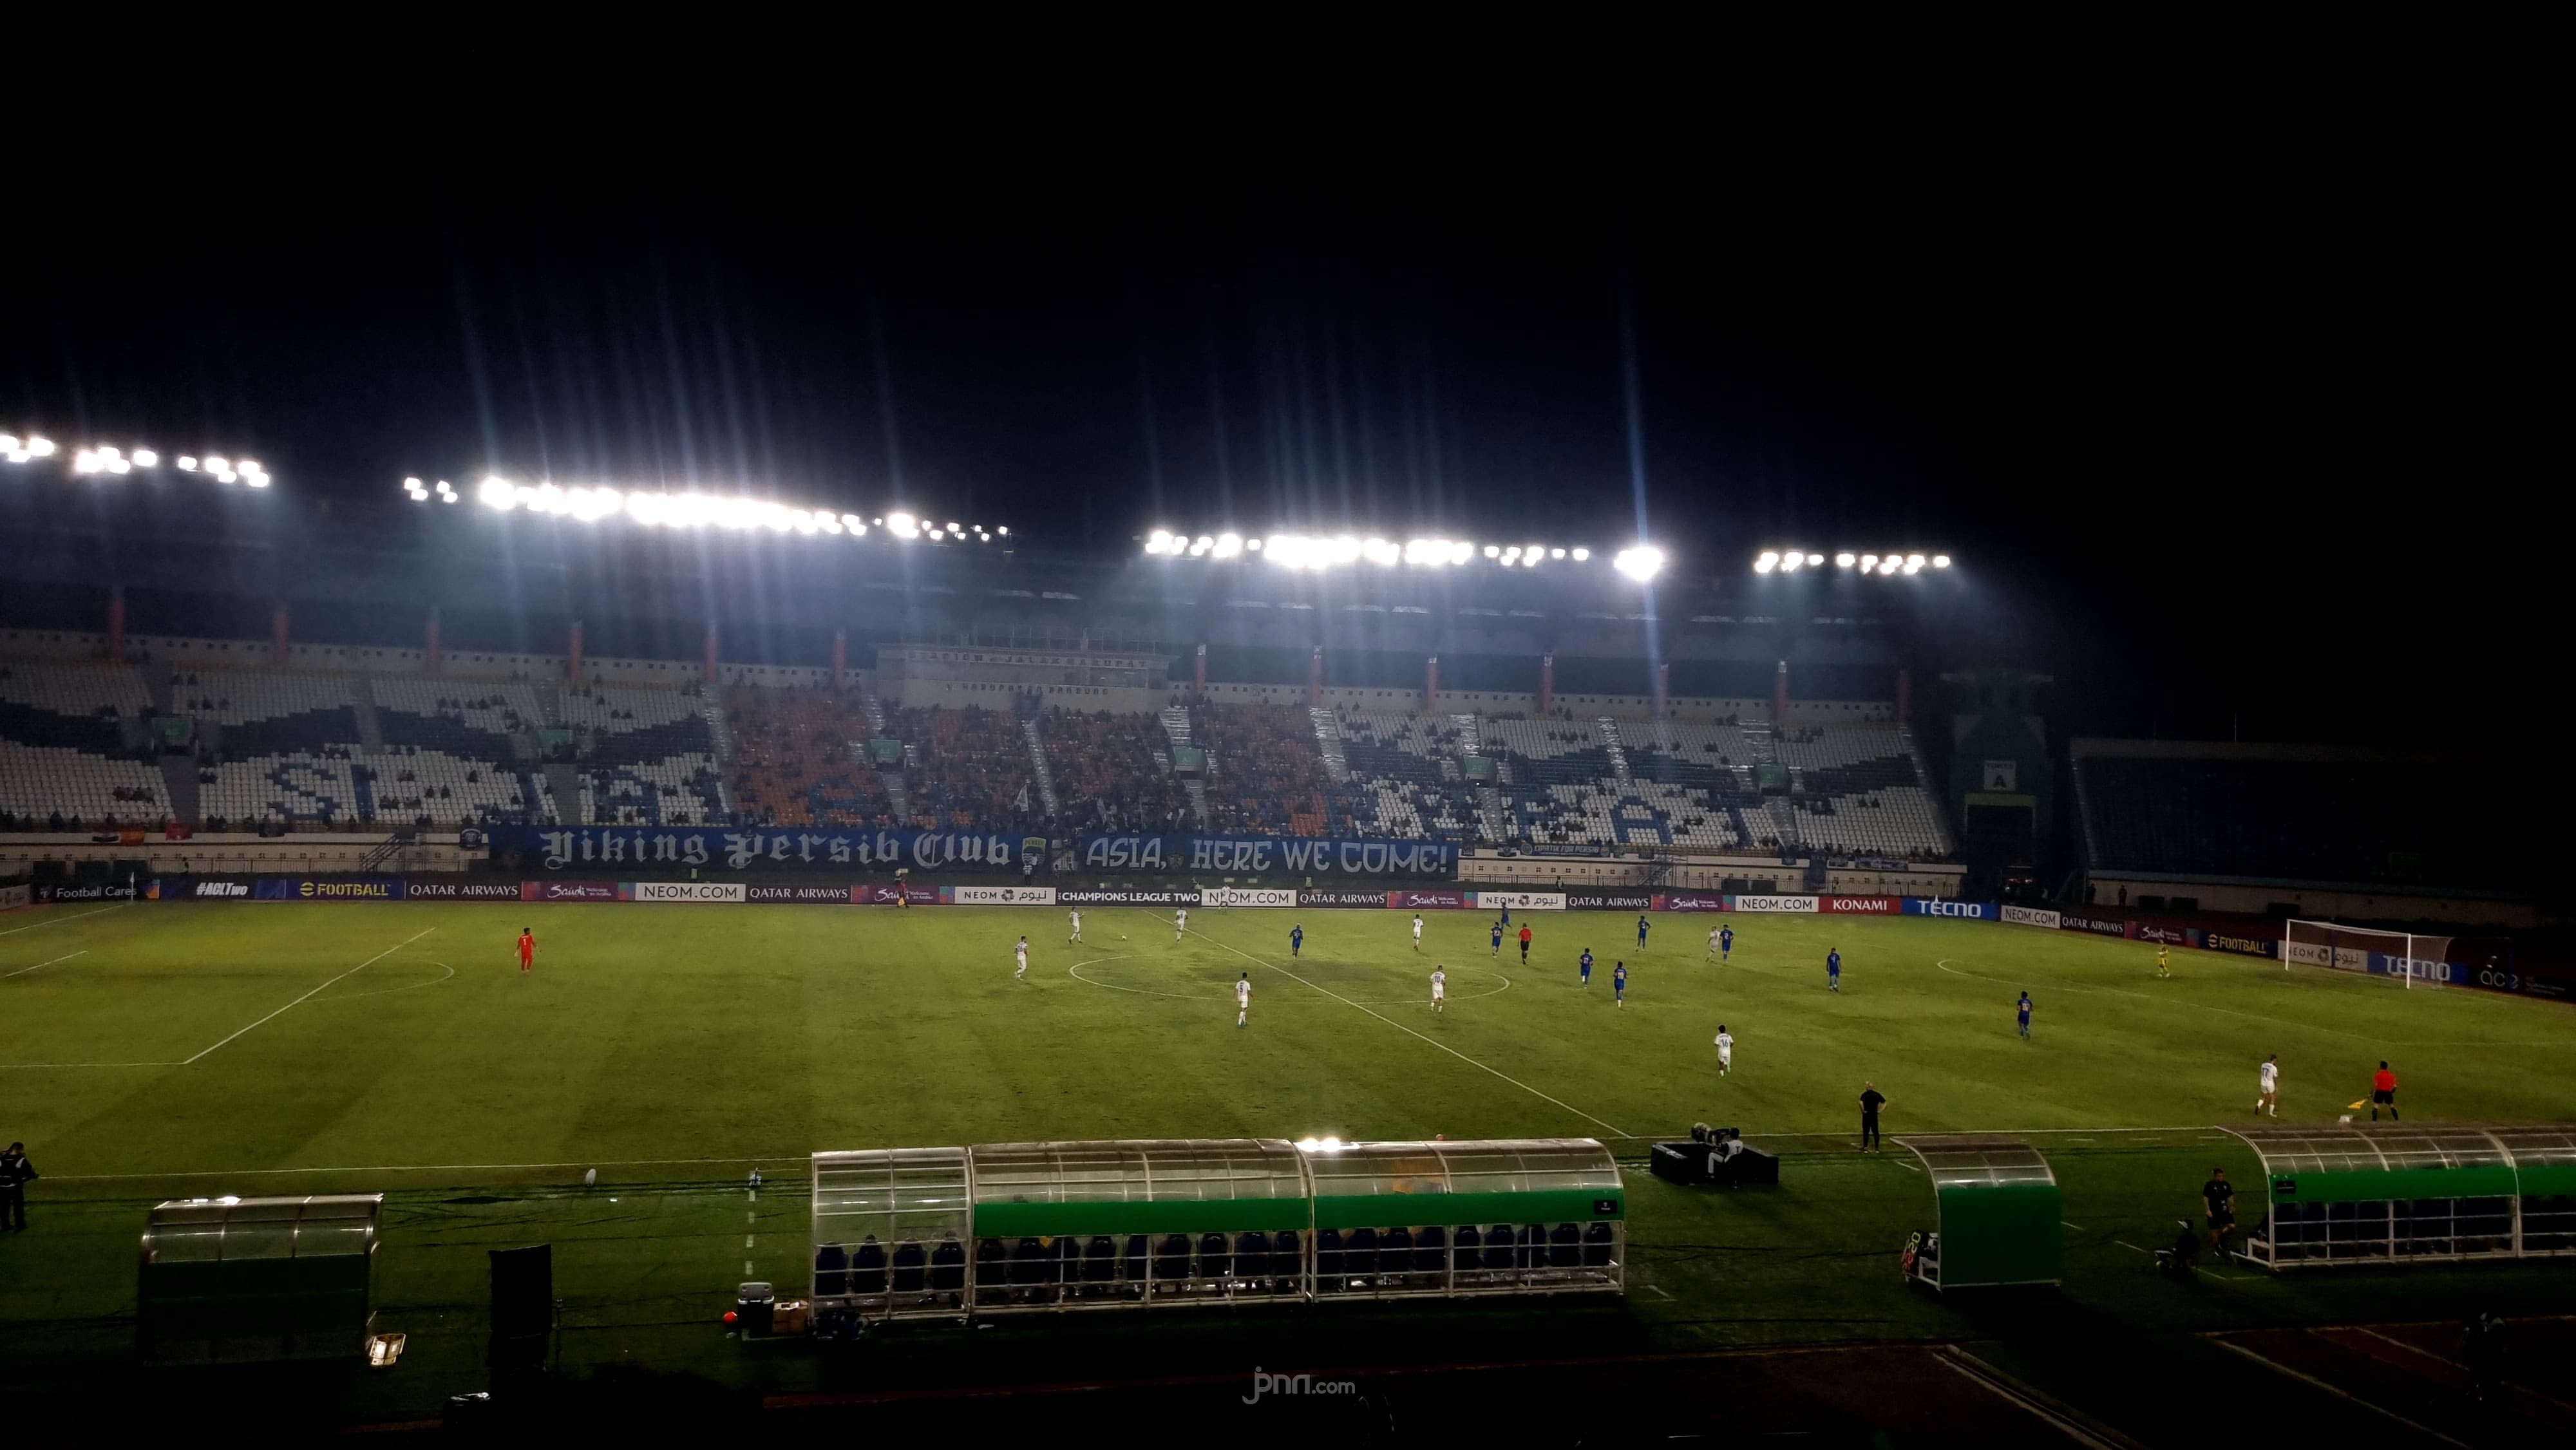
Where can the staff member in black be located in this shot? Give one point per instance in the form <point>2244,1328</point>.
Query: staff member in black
<point>15,1174</point>
<point>2218,1198</point>
<point>1871,1100</point>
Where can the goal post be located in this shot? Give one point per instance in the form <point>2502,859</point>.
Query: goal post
<point>2408,957</point>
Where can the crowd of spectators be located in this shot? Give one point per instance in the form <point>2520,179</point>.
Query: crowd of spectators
<point>1112,772</point>
<point>1264,773</point>
<point>970,770</point>
<point>799,760</point>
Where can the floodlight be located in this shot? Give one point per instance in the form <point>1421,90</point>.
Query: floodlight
<point>41,447</point>
<point>1869,563</point>
<point>442,498</point>
<point>1790,562</point>
<point>8,442</point>
<point>1253,544</point>
<point>1383,554</point>
<point>1461,552</point>
<point>1556,553</point>
<point>1159,542</point>
<point>146,458</point>
<point>1913,561</point>
<point>1940,561</point>
<point>1228,545</point>
<point>1346,549</point>
<point>187,464</point>
<point>1004,531</point>
<point>1817,560</point>
<point>218,465</point>
<point>1842,561</point>
<point>1492,553</point>
<point>1769,561</point>
<point>1640,563</point>
<point>1511,555</point>
<point>496,493</point>
<point>1582,554</point>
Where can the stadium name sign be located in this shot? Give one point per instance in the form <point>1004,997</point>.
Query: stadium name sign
<point>568,848</point>
<point>1254,855</point>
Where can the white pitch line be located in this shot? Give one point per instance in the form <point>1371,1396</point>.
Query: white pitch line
<point>22,971</point>
<point>353,971</point>
<point>59,920</point>
<point>2341,1394</point>
<point>1400,1027</point>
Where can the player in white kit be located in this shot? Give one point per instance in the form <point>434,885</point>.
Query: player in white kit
<point>1712,943</point>
<point>1022,952</point>
<point>1439,988</point>
<point>1077,927</point>
<point>2269,1104</point>
<point>1725,1050</point>
<point>1180,923</point>
<point>1243,999</point>
<point>1417,931</point>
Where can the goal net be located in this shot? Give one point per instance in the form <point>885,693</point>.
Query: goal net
<point>2412,959</point>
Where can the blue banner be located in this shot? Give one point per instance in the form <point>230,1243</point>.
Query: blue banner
<point>596,850</point>
<point>335,888</point>
<point>1970,910</point>
<point>1186,852</point>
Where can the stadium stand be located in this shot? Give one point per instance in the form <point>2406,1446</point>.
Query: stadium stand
<point>1264,774</point>
<point>2340,821</point>
<point>966,769</point>
<point>453,754</point>
<point>1113,772</point>
<point>1860,792</point>
<point>1405,778</point>
<point>73,751</point>
<point>798,759</point>
<point>646,756</point>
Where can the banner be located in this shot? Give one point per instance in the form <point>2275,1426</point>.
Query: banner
<point>13,897</point>
<point>1579,901</point>
<point>1859,905</point>
<point>1261,855</point>
<point>716,891</point>
<point>1867,863</point>
<point>714,848</point>
<point>1690,901</point>
<point>889,894</point>
<point>1246,896</point>
<point>1520,900</point>
<point>1427,900</point>
<point>1314,897</point>
<point>346,888</point>
<point>568,891</point>
<point>45,891</point>
<point>1154,898</point>
<point>427,888</point>
<point>808,895</point>
<point>2249,946</point>
<point>202,888</point>
<point>1803,905</point>
<point>1970,910</point>
<point>2158,932</point>
<point>1001,895</point>
<point>2030,916</point>
<point>2098,925</point>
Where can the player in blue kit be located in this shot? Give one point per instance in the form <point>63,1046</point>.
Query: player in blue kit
<point>1641,933</point>
<point>1498,939</point>
<point>1619,984</point>
<point>1587,966</point>
<point>1834,969</point>
<point>1296,940</point>
<point>1725,944</point>
<point>2023,1007</point>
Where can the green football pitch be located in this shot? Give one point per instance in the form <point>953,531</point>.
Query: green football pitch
<point>149,1051</point>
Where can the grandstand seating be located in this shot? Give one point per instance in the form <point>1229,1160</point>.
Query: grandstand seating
<point>967,768</point>
<point>471,719</point>
<point>2343,822</point>
<point>47,788</point>
<point>1264,773</point>
<point>1405,781</point>
<point>64,754</point>
<point>679,790</point>
<point>414,786</point>
<point>615,725</point>
<point>798,759</point>
<point>1113,772</point>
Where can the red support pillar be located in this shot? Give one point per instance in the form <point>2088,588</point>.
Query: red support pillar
<point>277,634</point>
<point>1315,680</point>
<point>1431,685</point>
<point>1198,672</point>
<point>1780,696</point>
<point>1546,683</point>
<point>116,625</point>
<point>572,653</point>
<point>433,654</point>
<point>840,656</point>
<point>1904,697</point>
<point>711,652</point>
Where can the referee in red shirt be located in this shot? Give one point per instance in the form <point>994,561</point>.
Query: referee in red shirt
<point>2383,1093</point>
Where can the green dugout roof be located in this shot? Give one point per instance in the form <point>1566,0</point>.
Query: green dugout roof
<point>1137,1185</point>
<point>1999,1207</point>
<point>1511,1180</point>
<point>2384,1162</point>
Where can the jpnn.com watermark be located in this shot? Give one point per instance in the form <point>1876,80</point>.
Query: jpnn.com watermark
<point>1266,1383</point>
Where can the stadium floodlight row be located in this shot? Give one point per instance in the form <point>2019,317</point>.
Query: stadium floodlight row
<point>1316,551</point>
<point>104,459</point>
<point>693,510</point>
<point>1790,561</point>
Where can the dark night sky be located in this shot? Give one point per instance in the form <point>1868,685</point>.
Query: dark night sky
<point>2195,405</point>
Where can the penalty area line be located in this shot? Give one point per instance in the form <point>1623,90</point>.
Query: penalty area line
<point>1400,1027</point>
<point>22,971</point>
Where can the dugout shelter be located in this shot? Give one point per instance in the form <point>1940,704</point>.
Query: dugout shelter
<point>1998,1214</point>
<point>258,1280</point>
<point>2390,1193</point>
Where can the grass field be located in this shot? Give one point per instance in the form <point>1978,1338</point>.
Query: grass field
<point>154,1050</point>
